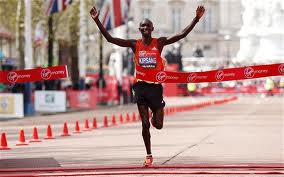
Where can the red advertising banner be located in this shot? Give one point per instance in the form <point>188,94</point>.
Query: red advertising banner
<point>58,72</point>
<point>109,94</point>
<point>31,75</point>
<point>249,72</point>
<point>82,99</point>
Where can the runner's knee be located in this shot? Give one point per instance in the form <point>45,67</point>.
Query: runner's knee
<point>145,125</point>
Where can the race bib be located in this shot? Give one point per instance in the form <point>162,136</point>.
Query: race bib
<point>147,60</point>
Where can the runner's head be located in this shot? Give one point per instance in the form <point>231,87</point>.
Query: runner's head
<point>146,27</point>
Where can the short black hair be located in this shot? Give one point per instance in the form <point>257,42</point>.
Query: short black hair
<point>146,19</point>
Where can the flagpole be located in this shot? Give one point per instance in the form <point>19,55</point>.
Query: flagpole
<point>28,105</point>
<point>18,45</point>
<point>83,53</point>
<point>50,40</point>
<point>101,72</point>
<point>28,36</point>
<point>49,85</point>
<point>129,60</point>
<point>101,81</point>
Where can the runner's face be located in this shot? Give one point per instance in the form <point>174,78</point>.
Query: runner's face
<point>146,27</point>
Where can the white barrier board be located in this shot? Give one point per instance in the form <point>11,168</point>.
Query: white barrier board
<point>11,105</point>
<point>50,101</point>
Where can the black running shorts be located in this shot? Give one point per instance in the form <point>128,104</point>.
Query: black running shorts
<point>148,94</point>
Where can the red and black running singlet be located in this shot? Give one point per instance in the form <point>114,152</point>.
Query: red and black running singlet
<point>148,57</point>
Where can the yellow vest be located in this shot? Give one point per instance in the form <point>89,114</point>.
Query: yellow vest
<point>269,84</point>
<point>191,87</point>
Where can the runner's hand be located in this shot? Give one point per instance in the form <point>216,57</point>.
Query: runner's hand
<point>94,13</point>
<point>200,11</point>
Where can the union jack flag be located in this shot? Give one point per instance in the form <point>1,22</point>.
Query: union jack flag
<point>114,13</point>
<point>54,6</point>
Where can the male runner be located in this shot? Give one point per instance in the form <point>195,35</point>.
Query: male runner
<point>147,56</point>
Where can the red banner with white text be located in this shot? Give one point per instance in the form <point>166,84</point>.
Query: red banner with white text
<point>31,75</point>
<point>58,72</point>
<point>242,73</point>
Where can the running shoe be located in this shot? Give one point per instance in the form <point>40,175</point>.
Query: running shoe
<point>148,161</point>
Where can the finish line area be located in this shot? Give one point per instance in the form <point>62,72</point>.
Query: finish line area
<point>193,169</point>
<point>242,137</point>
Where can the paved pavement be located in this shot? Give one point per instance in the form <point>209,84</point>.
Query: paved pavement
<point>246,131</point>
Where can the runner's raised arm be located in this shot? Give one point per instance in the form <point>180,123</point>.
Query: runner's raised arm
<point>118,41</point>
<point>169,40</point>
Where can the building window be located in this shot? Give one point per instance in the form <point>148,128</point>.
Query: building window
<point>146,13</point>
<point>176,19</point>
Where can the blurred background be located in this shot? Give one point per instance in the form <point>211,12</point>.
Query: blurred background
<point>41,33</point>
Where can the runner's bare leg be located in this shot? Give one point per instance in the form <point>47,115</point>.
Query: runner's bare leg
<point>144,113</point>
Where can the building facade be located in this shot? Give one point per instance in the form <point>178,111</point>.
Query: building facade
<point>215,34</point>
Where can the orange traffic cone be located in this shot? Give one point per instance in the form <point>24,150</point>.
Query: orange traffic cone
<point>77,128</point>
<point>22,139</point>
<point>35,136</point>
<point>4,144</point>
<point>86,126</point>
<point>133,117</point>
<point>65,130</point>
<point>120,118</point>
<point>95,123</point>
<point>127,118</point>
<point>49,133</point>
<point>113,121</point>
<point>105,122</point>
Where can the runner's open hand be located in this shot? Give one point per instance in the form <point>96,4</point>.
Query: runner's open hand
<point>94,13</point>
<point>200,11</point>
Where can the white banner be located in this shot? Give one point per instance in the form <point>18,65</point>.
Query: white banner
<point>11,105</point>
<point>50,101</point>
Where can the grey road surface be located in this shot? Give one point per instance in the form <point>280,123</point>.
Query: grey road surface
<point>248,130</point>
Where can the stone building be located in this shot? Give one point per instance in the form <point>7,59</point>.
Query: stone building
<point>215,34</point>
